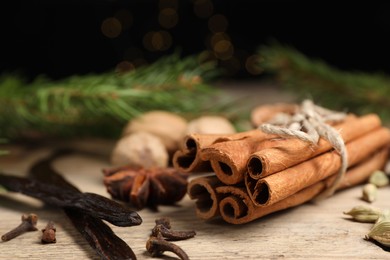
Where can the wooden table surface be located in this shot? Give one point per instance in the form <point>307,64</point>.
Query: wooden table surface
<point>309,231</point>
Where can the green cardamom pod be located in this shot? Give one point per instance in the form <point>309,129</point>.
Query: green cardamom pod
<point>370,192</point>
<point>379,179</point>
<point>380,232</point>
<point>384,216</point>
<point>364,214</point>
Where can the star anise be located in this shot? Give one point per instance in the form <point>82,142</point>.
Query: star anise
<point>146,187</point>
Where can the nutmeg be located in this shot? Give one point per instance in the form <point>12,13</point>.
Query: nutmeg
<point>210,125</point>
<point>140,149</point>
<point>167,126</point>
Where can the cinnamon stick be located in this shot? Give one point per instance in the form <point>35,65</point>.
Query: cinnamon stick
<point>360,173</point>
<point>288,152</point>
<point>188,158</point>
<point>229,158</point>
<point>203,190</point>
<point>280,185</point>
<point>236,207</point>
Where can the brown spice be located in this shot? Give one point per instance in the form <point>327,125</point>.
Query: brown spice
<point>49,233</point>
<point>163,228</point>
<point>158,244</point>
<point>89,203</point>
<point>29,223</point>
<point>143,187</point>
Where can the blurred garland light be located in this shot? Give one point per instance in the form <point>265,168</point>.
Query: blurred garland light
<point>157,40</point>
<point>251,64</point>
<point>111,27</point>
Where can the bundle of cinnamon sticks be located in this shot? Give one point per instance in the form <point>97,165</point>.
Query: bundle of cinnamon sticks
<point>255,173</point>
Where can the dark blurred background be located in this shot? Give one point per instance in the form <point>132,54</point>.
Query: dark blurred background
<point>78,37</point>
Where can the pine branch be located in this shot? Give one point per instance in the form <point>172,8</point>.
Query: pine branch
<point>99,105</point>
<point>309,78</point>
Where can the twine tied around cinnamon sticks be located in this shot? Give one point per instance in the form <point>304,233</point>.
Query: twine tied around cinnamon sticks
<point>309,123</point>
<point>255,173</point>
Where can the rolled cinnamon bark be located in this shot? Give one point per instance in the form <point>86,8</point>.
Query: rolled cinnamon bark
<point>237,208</point>
<point>280,185</point>
<point>291,151</point>
<point>229,158</point>
<point>188,158</point>
<point>203,190</point>
<point>361,173</point>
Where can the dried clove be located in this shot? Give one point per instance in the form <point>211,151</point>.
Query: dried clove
<point>29,223</point>
<point>89,203</point>
<point>156,246</point>
<point>49,233</point>
<point>161,233</point>
<point>164,229</point>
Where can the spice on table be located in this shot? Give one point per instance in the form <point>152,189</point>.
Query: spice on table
<point>380,232</point>
<point>143,187</point>
<point>158,244</point>
<point>163,227</point>
<point>364,213</point>
<point>95,231</point>
<point>379,179</point>
<point>140,149</point>
<point>29,223</point>
<point>49,233</point>
<point>89,203</point>
<point>370,192</point>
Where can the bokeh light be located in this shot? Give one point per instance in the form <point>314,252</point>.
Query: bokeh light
<point>217,37</point>
<point>111,27</point>
<point>206,56</point>
<point>157,40</point>
<point>252,66</point>
<point>223,49</point>
<point>124,66</point>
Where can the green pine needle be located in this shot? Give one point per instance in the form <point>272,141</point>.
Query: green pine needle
<point>100,105</point>
<point>309,78</point>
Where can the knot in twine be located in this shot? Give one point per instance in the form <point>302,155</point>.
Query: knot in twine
<point>309,123</point>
